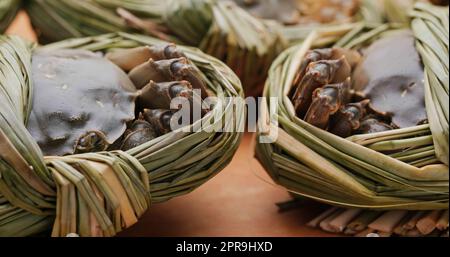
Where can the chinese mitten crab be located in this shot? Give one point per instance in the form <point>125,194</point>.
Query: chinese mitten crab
<point>84,102</point>
<point>346,92</point>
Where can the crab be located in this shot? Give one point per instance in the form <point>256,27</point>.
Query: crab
<point>345,93</point>
<point>84,102</point>
<point>326,102</point>
<point>151,124</point>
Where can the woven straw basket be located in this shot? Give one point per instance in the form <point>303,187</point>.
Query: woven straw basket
<point>99,194</point>
<point>352,172</point>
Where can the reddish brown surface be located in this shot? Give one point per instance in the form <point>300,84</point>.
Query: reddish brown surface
<point>240,201</point>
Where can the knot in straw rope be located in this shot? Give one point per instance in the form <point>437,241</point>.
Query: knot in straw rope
<point>98,194</point>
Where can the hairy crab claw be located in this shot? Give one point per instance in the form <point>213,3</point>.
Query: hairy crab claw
<point>326,102</point>
<point>391,74</point>
<point>160,95</point>
<point>318,74</point>
<point>140,132</point>
<point>160,119</point>
<point>167,70</point>
<point>372,124</point>
<point>348,118</point>
<point>128,59</point>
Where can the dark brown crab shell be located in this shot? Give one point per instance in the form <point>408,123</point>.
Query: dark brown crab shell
<point>81,102</point>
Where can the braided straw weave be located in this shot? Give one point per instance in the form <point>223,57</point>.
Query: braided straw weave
<point>350,172</point>
<point>99,194</point>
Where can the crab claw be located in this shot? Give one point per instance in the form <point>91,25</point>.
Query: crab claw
<point>93,141</point>
<point>158,71</point>
<point>127,59</point>
<point>348,118</point>
<point>140,132</point>
<point>167,70</point>
<point>318,73</point>
<point>159,119</point>
<point>159,95</point>
<point>371,124</point>
<point>326,102</point>
<point>185,71</point>
<point>312,56</point>
<point>353,57</point>
<point>343,70</point>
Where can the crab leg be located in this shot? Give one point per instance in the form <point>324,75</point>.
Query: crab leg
<point>158,71</point>
<point>167,70</point>
<point>312,56</point>
<point>335,53</point>
<point>159,95</point>
<point>348,118</point>
<point>93,141</point>
<point>371,124</point>
<point>127,59</point>
<point>318,74</point>
<point>353,57</point>
<point>326,102</point>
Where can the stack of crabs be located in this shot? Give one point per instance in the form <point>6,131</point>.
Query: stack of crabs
<point>86,102</point>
